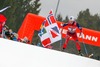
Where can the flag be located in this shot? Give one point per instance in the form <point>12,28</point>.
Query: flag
<point>49,31</point>
<point>53,28</point>
<point>44,35</point>
<point>50,19</point>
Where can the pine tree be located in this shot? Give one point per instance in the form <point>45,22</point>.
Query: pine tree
<point>86,19</point>
<point>18,10</point>
<point>59,17</point>
<point>66,19</point>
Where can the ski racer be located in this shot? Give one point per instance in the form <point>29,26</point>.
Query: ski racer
<point>72,26</point>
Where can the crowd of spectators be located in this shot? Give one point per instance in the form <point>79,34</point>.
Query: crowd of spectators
<point>9,34</point>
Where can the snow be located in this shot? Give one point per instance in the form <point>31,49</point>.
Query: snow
<point>16,54</point>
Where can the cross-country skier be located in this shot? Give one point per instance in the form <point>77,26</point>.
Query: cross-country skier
<point>72,26</point>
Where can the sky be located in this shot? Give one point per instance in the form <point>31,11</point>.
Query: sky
<point>69,7</point>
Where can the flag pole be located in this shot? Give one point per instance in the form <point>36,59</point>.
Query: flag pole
<point>4,9</point>
<point>57,8</point>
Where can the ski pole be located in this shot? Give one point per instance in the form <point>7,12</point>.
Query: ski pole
<point>84,44</point>
<point>61,38</point>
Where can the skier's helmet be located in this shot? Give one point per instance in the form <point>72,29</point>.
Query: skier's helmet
<point>72,18</point>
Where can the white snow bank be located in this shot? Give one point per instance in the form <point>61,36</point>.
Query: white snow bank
<point>15,54</point>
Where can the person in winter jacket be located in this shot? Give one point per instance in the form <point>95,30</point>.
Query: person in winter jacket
<point>2,23</point>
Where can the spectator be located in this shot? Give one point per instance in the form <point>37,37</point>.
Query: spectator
<point>8,35</point>
<point>25,40</point>
<point>2,23</point>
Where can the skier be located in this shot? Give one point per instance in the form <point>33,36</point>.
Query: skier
<point>72,26</point>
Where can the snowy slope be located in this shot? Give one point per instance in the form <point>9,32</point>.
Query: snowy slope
<point>15,54</point>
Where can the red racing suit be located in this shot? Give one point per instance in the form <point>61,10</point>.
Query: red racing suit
<point>72,33</point>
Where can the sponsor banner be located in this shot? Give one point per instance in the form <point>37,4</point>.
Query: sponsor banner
<point>87,36</point>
